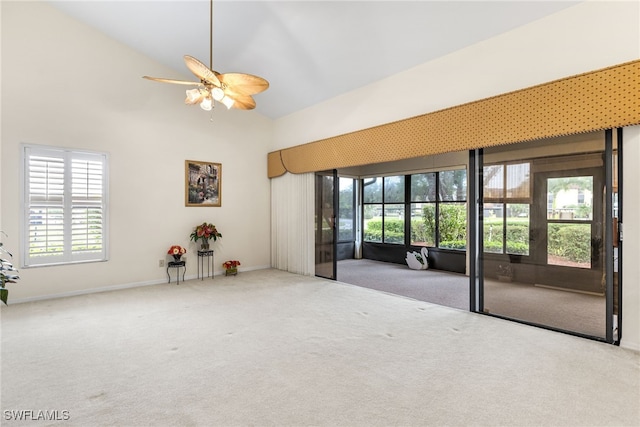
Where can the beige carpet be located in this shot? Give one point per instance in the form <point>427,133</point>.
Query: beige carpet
<point>570,311</point>
<point>436,286</point>
<point>273,348</point>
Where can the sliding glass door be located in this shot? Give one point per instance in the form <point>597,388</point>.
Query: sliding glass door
<point>325,223</point>
<point>544,223</point>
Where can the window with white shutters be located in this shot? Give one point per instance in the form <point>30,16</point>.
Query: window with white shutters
<point>65,193</point>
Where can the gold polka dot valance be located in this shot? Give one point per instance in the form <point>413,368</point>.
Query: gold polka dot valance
<point>597,100</point>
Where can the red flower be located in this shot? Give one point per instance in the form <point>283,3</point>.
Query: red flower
<point>205,231</point>
<point>230,264</point>
<point>176,250</point>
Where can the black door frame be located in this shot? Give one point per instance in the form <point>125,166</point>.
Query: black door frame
<point>328,214</point>
<point>475,246</point>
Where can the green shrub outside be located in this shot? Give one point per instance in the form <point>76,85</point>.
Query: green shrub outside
<point>393,231</point>
<point>373,232</point>
<point>517,237</point>
<point>420,232</point>
<point>516,248</point>
<point>453,223</point>
<point>572,242</point>
<point>394,225</point>
<point>374,225</point>
<point>429,221</point>
<point>373,235</point>
<point>453,244</point>
<point>493,246</point>
<point>453,227</point>
<point>516,232</point>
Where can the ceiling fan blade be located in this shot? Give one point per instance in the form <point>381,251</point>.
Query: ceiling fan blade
<point>202,71</point>
<point>179,82</point>
<point>244,84</point>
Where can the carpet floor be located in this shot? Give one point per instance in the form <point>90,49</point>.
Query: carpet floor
<point>570,311</point>
<point>271,348</point>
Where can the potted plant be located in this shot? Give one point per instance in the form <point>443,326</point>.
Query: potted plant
<point>231,267</point>
<point>6,272</point>
<point>204,232</point>
<point>176,251</point>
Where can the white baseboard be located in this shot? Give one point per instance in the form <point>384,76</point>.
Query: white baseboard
<point>119,287</point>
<point>629,345</point>
<point>87,291</point>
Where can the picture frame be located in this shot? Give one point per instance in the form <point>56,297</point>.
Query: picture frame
<point>203,184</point>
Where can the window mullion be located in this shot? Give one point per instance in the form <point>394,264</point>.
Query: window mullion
<point>505,189</point>
<point>407,210</point>
<point>382,201</point>
<point>437,214</point>
<point>68,206</point>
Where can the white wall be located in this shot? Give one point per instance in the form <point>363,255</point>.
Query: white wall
<point>64,84</point>
<point>586,37</point>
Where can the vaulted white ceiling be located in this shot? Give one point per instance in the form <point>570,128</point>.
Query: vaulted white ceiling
<point>309,51</point>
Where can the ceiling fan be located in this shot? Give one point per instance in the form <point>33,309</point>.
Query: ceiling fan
<point>234,90</point>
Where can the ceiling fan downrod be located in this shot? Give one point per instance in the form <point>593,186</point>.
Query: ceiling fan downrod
<point>211,35</point>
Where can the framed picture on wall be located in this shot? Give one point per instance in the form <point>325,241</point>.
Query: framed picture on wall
<point>203,183</point>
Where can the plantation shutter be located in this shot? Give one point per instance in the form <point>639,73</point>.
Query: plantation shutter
<point>87,205</point>
<point>46,205</point>
<point>65,216</point>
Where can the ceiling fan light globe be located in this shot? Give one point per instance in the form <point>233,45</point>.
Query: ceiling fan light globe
<point>228,102</point>
<point>193,95</point>
<point>206,104</point>
<point>217,93</point>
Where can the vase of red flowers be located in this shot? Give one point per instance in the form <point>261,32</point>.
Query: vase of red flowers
<point>176,251</point>
<point>231,267</point>
<point>205,232</point>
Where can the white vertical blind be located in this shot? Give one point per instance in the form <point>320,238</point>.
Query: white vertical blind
<point>518,181</point>
<point>504,182</point>
<point>292,213</point>
<point>66,196</point>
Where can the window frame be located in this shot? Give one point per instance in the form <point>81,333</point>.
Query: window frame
<point>67,156</point>
<point>504,200</point>
<point>440,202</point>
<point>354,186</point>
<point>384,239</point>
<point>409,202</point>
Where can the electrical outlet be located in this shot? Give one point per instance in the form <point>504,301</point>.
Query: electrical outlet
<point>161,263</point>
